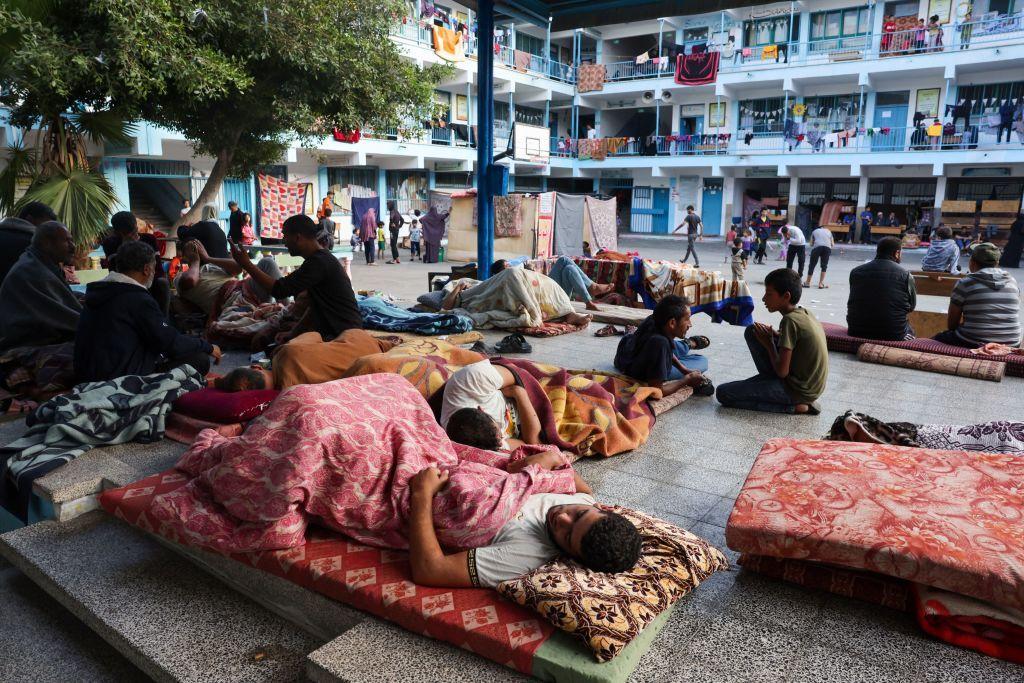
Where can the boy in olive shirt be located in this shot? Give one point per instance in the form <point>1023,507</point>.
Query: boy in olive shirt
<point>792,364</point>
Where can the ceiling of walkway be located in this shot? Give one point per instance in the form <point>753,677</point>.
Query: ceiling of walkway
<point>569,14</point>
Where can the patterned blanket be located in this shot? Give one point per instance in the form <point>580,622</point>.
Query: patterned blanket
<point>425,363</point>
<point>512,299</point>
<point>278,200</point>
<point>708,291</point>
<point>340,454</point>
<point>37,372</point>
<point>131,408</point>
<point>238,318</point>
<point>585,412</point>
<point>378,314</point>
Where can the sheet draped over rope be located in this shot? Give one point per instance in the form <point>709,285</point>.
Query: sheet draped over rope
<point>278,200</point>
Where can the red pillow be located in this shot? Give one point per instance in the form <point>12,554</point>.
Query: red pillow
<point>225,407</point>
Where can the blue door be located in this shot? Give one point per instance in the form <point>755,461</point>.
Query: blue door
<point>711,206</point>
<point>237,190</point>
<point>893,117</point>
<point>649,210</point>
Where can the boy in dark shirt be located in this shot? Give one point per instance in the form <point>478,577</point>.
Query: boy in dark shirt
<point>209,234</point>
<point>658,353</point>
<point>333,302</point>
<point>792,364</point>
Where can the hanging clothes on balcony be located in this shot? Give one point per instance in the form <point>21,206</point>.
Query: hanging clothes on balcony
<point>351,136</point>
<point>642,59</point>
<point>522,60</point>
<point>448,44</point>
<point>699,68</point>
<point>769,52</point>
<point>590,77</point>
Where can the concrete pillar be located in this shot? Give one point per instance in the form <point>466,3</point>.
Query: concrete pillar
<point>322,183</point>
<point>862,194</point>
<point>794,199</point>
<point>116,173</point>
<point>382,190</point>
<point>940,195</point>
<point>728,200</point>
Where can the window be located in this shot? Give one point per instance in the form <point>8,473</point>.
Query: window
<point>840,23</point>
<point>453,180</point>
<point>892,99</point>
<point>763,115</point>
<point>360,176</point>
<point>1002,6</point>
<point>501,112</point>
<point>768,31</point>
<point>968,189</point>
<point>835,111</point>
<point>528,183</point>
<point>530,116</point>
<point>531,44</point>
<point>408,189</point>
<point>988,98</point>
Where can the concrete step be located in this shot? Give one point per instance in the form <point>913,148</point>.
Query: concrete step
<point>172,620</point>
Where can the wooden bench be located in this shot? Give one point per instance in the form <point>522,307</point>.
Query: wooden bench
<point>934,284</point>
<point>927,324</point>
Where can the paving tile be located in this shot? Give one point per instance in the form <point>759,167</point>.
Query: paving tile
<point>814,663</point>
<point>781,605</point>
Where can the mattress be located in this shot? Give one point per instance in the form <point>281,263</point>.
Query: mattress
<point>379,582</point>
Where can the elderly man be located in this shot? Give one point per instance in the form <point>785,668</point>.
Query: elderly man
<point>37,306</point>
<point>16,233</point>
<point>985,305</point>
<point>882,294</point>
<point>125,228</point>
<point>122,330</point>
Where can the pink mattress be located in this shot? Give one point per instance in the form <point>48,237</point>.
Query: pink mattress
<point>838,340</point>
<point>949,519</point>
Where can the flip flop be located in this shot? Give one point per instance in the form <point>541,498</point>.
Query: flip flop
<point>822,286</point>
<point>698,342</point>
<point>609,331</point>
<point>706,388</point>
<point>513,343</point>
<point>482,348</point>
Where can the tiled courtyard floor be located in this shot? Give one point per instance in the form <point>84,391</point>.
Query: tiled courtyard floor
<point>737,626</point>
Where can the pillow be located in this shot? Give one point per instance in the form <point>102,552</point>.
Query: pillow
<point>609,610</point>
<point>225,407</point>
<point>432,300</point>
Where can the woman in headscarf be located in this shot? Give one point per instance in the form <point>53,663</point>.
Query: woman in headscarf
<point>433,231</point>
<point>395,223</point>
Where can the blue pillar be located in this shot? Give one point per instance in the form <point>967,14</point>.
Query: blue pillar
<point>321,178</point>
<point>382,192</point>
<point>116,172</point>
<point>485,139</point>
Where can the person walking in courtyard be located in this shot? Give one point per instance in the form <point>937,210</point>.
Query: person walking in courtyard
<point>694,228</point>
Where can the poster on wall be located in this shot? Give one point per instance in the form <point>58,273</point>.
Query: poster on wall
<point>545,224</point>
<point>461,108</point>
<point>532,144</point>
<point>716,115</point>
<point>928,102</point>
<point>941,8</point>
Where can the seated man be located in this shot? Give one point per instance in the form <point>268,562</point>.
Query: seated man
<point>943,254</point>
<point>547,526</point>
<point>16,233</point>
<point>122,330</point>
<point>201,283</point>
<point>792,364</point>
<point>209,234</point>
<point>37,306</point>
<point>307,359</point>
<point>985,305</point>
<point>658,353</point>
<point>483,407</point>
<point>513,298</point>
<point>571,278</point>
<point>882,294</point>
<point>332,301</point>
<point>125,228</point>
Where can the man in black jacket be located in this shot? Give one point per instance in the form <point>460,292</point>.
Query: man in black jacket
<point>882,294</point>
<point>122,330</point>
<point>125,228</point>
<point>235,220</point>
<point>16,233</point>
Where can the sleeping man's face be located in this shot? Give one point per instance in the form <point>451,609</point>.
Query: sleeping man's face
<point>568,524</point>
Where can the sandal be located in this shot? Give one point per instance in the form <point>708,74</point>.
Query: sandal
<point>609,331</point>
<point>630,329</point>
<point>698,342</point>
<point>706,388</point>
<point>822,286</point>
<point>482,348</point>
<point>513,343</point>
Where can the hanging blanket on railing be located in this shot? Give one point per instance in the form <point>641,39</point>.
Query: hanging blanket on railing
<point>448,44</point>
<point>306,460</point>
<point>131,408</point>
<point>590,77</point>
<point>699,68</point>
<point>277,201</point>
<point>378,314</point>
<point>602,223</point>
<point>707,290</point>
<point>508,216</point>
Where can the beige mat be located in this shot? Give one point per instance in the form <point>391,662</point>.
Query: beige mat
<point>455,339</point>
<point>614,315</point>
<point>663,405</point>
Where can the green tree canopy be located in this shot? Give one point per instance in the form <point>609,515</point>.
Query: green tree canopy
<point>240,80</point>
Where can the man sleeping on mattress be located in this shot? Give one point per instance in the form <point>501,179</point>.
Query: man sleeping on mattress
<point>547,526</point>
<point>484,407</point>
<point>512,298</point>
<point>571,278</point>
<point>999,436</point>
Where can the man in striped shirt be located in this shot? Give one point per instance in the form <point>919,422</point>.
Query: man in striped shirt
<point>943,255</point>
<point>985,305</point>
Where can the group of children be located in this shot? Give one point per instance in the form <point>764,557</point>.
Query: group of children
<point>415,238</point>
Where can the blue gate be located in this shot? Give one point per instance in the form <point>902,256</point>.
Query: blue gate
<point>238,190</point>
<point>649,210</point>
<point>711,206</point>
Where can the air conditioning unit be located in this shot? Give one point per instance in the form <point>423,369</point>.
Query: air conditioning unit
<point>666,96</point>
<point>648,97</point>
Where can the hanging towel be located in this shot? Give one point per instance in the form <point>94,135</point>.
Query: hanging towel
<point>508,216</point>
<point>699,68</point>
<point>747,52</point>
<point>770,52</point>
<point>643,59</point>
<point>448,44</point>
<point>568,224</point>
<point>935,130</point>
<point>522,60</point>
<point>590,77</point>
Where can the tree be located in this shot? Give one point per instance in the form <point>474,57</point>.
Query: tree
<point>241,80</point>
<point>299,69</point>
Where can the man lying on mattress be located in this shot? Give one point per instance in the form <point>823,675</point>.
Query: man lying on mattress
<point>547,526</point>
<point>571,278</point>
<point>512,298</point>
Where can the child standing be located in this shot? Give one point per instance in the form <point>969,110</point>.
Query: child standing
<point>738,262</point>
<point>784,246</point>
<point>415,235</point>
<point>792,364</point>
<point>381,239</point>
<point>748,247</point>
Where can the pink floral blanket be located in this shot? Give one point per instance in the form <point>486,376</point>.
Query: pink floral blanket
<point>340,455</point>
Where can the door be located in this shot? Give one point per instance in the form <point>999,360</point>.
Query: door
<point>650,210</point>
<point>237,190</point>
<point>893,117</point>
<point>711,206</point>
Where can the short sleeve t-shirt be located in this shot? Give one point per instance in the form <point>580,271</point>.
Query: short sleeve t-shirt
<point>808,369</point>
<point>333,302</point>
<point>523,544</point>
<point>474,386</point>
<point>692,223</point>
<point>822,237</point>
<point>796,237</point>
<point>645,354</point>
